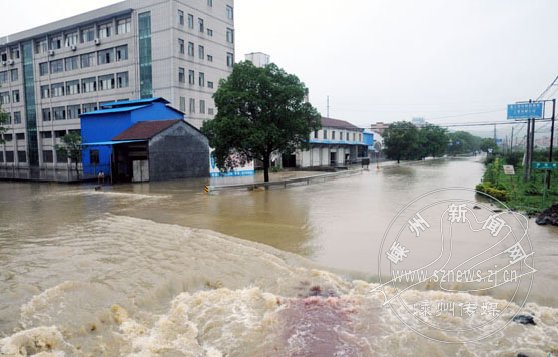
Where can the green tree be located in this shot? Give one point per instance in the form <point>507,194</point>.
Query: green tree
<point>488,143</point>
<point>260,110</point>
<point>432,141</point>
<point>401,140</point>
<point>463,142</point>
<point>71,148</point>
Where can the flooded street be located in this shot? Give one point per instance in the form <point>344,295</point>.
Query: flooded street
<point>163,269</point>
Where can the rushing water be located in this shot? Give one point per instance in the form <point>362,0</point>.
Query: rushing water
<point>140,270</point>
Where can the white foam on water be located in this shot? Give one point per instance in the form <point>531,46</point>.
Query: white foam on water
<point>170,290</point>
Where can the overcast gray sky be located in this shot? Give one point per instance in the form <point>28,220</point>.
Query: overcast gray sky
<point>385,60</point>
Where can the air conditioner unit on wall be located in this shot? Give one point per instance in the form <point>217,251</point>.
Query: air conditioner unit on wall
<point>97,41</point>
<point>10,61</point>
<point>73,47</point>
<point>51,53</point>
<point>3,63</point>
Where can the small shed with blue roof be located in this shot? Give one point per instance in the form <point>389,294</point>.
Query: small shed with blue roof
<point>144,137</point>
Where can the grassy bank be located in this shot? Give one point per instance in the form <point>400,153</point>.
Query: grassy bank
<point>530,197</point>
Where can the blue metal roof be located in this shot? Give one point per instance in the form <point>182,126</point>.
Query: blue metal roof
<point>125,103</point>
<point>114,110</point>
<point>112,142</point>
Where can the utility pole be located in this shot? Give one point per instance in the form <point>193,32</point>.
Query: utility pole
<point>551,142</point>
<point>328,106</point>
<point>527,152</point>
<point>511,142</point>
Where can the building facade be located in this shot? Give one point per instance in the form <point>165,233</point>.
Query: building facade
<point>337,143</point>
<point>50,75</point>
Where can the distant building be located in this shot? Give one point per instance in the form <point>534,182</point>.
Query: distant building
<point>337,143</point>
<point>259,59</point>
<point>379,127</point>
<point>142,140</point>
<point>418,122</point>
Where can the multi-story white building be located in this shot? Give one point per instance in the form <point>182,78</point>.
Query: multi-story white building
<point>49,75</point>
<point>337,143</point>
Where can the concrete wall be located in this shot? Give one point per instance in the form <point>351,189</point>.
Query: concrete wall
<point>179,151</point>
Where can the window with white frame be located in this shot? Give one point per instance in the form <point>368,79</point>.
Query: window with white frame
<point>123,26</point>
<point>106,82</point>
<point>122,80</point>
<point>105,30</point>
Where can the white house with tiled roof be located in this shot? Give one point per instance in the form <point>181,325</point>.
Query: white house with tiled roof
<point>337,143</point>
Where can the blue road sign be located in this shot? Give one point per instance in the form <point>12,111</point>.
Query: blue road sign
<point>545,165</point>
<point>532,110</point>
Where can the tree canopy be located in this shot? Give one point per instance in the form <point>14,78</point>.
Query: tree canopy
<point>401,140</point>
<point>71,148</point>
<point>260,110</point>
<point>432,141</point>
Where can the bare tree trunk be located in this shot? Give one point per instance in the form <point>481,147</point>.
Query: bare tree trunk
<point>266,168</point>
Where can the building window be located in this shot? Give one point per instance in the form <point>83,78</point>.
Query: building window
<point>209,32</point>
<point>123,26</point>
<point>354,136</point>
<point>88,85</point>
<point>180,17</point>
<point>105,56</point>
<point>200,24</point>
<point>201,52</point>
<point>56,42</point>
<point>57,89</point>
<point>190,21</point>
<point>209,84</point>
<point>46,114</point>
<point>72,87</point>
<point>210,3</point>
<point>59,113</point>
<point>71,39</point>
<point>47,156</point>
<point>333,135</point>
<point>191,76</point>
<point>182,106</point>
<point>17,117</point>
<point>230,13</point>
<point>45,91</point>
<point>347,138</point>
<point>8,118</point>
<point>192,105</point>
<point>73,111</point>
<point>201,79</point>
<point>106,82</point>
<point>9,156</point>
<point>41,46</point>
<point>121,53</point>
<point>14,75</point>
<point>46,134</point>
<point>180,46</point>
<point>15,96</point>
<point>8,137</point>
<point>209,58</point>
<point>21,156</point>
<point>190,48</point>
<point>57,66</point>
<point>88,34</point>
<point>105,30</point>
<point>230,59</point>
<point>94,156</point>
<point>230,35</point>
<point>89,107</point>
<point>87,60</point>
<point>210,111</point>
<point>145,55</point>
<point>14,53</point>
<point>359,137</point>
<point>4,97</point>
<point>122,80</point>
<point>325,134</point>
<point>202,106</point>
<point>71,63</point>
<point>3,77</point>
<point>20,136</point>
<point>315,134</point>
<point>43,68</point>
<point>181,75</point>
